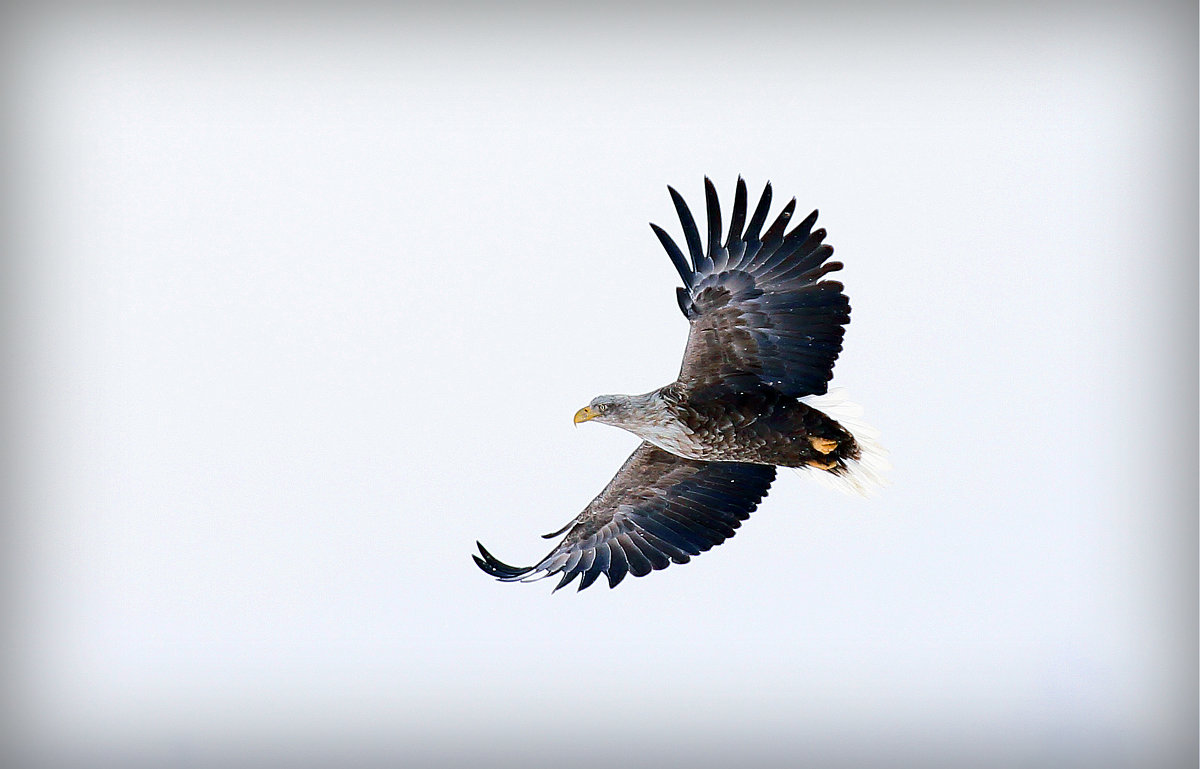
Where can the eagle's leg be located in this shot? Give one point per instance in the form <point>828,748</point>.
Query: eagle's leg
<point>823,445</point>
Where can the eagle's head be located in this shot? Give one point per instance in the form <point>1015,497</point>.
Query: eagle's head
<point>618,410</point>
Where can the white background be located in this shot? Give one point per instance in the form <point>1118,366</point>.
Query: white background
<point>304,302</point>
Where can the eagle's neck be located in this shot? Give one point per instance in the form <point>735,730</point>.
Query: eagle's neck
<point>653,418</point>
<point>638,411</point>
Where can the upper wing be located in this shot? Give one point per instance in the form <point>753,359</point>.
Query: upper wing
<point>658,508</point>
<point>757,305</point>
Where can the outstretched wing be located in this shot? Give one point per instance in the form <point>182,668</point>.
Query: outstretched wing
<point>658,509</point>
<point>759,311</point>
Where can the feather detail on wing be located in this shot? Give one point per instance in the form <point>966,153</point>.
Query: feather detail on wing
<point>658,509</point>
<point>757,304</point>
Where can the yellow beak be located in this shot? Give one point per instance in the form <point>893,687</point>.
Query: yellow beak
<point>586,413</point>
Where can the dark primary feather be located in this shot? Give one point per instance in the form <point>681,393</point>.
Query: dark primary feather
<point>681,265</point>
<point>733,243</point>
<point>691,235</point>
<point>658,509</point>
<point>714,219</point>
<point>758,306</point>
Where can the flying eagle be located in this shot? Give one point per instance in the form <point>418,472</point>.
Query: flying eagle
<point>752,394</point>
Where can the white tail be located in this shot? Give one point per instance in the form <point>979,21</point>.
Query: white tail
<point>860,476</point>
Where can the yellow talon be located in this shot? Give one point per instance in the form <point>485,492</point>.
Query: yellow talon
<point>823,465</point>
<point>823,445</point>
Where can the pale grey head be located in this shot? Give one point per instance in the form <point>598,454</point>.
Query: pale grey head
<point>627,411</point>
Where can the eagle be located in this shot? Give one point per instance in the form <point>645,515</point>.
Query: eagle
<point>752,395</point>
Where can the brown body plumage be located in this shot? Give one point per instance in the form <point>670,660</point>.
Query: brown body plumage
<point>764,427</point>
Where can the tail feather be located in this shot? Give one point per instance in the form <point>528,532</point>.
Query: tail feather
<point>859,476</point>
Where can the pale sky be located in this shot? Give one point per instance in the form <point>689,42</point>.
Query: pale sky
<point>304,303</point>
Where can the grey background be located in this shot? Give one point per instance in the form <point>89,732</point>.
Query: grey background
<point>300,302</point>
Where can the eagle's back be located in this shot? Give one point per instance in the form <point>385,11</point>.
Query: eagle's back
<point>759,425</point>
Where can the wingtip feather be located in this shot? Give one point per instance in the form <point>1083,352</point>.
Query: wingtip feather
<point>676,255</point>
<point>691,233</point>
<point>497,568</point>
